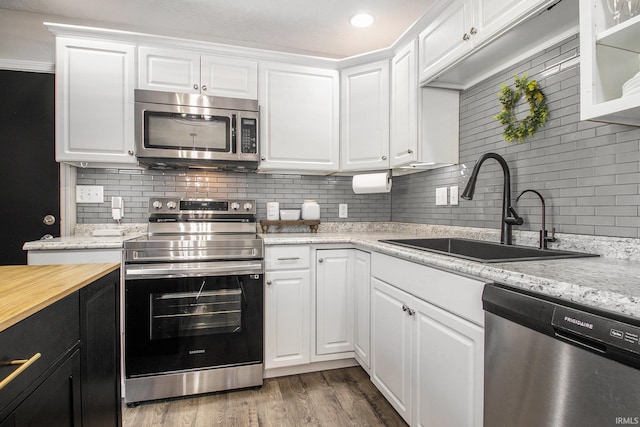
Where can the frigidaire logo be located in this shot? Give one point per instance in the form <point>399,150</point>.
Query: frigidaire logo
<point>196,351</point>
<point>578,322</point>
<point>629,421</point>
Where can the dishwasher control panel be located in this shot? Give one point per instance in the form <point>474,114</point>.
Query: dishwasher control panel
<point>598,329</point>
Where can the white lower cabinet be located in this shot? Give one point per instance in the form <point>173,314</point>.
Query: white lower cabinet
<point>427,342</point>
<point>334,301</point>
<point>287,306</point>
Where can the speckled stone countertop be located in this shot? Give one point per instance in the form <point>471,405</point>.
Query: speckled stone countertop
<point>605,283</point>
<point>611,282</point>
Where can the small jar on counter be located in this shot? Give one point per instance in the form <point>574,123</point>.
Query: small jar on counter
<point>310,209</point>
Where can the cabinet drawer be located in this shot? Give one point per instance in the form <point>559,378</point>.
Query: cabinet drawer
<point>51,332</point>
<point>287,257</point>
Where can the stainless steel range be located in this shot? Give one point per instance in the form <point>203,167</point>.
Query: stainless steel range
<point>193,300</point>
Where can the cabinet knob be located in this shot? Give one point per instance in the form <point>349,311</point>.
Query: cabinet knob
<point>204,87</point>
<point>195,87</point>
<point>130,152</point>
<point>321,260</point>
<point>466,37</point>
<point>269,282</point>
<point>473,31</point>
<point>410,151</point>
<point>384,157</point>
<point>263,158</point>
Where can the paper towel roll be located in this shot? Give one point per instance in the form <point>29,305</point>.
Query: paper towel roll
<point>372,183</point>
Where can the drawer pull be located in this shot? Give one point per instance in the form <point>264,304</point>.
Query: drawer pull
<point>292,258</point>
<point>24,364</point>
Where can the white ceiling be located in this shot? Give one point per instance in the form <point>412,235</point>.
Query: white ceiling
<point>318,27</point>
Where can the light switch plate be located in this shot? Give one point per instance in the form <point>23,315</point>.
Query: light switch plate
<point>343,210</point>
<point>89,194</point>
<point>453,195</point>
<point>441,196</point>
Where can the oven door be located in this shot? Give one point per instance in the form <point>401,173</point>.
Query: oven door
<point>181,317</point>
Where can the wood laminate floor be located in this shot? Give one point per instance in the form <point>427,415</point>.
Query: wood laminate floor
<point>340,397</point>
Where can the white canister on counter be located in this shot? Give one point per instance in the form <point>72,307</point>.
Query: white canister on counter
<point>273,211</point>
<point>310,209</point>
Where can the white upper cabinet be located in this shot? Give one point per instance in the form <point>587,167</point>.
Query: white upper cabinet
<point>190,72</point>
<point>450,54</point>
<point>609,59</point>
<point>404,105</point>
<point>446,38</point>
<point>364,139</point>
<point>94,102</point>
<point>299,117</point>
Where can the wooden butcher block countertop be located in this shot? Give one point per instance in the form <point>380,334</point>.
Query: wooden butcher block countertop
<point>26,289</point>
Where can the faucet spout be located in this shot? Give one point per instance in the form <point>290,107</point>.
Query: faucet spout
<point>509,215</point>
<point>543,232</point>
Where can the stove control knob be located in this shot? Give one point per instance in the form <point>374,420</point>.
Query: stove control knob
<point>235,206</point>
<point>247,206</point>
<point>157,204</point>
<point>172,204</point>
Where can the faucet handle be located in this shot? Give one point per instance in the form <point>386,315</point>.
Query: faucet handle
<point>515,219</point>
<point>553,235</point>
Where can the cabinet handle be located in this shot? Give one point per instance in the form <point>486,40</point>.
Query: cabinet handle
<point>293,258</point>
<point>204,87</point>
<point>130,152</point>
<point>195,87</point>
<point>384,157</point>
<point>408,310</point>
<point>269,282</point>
<point>24,364</point>
<point>473,31</point>
<point>466,37</point>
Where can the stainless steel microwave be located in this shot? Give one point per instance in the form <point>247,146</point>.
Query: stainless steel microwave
<point>177,130</point>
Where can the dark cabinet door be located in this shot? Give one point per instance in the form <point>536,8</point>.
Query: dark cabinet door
<point>56,402</point>
<point>100,338</point>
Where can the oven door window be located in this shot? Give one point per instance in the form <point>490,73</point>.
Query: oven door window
<point>199,132</point>
<point>184,314</point>
<point>178,324</point>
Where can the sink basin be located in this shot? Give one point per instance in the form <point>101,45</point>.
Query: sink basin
<point>481,251</point>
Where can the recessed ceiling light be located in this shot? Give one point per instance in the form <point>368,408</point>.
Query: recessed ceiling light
<point>361,20</point>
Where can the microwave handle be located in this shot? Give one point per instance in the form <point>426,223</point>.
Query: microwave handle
<point>234,125</point>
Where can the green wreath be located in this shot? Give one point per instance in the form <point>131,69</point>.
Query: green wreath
<point>520,129</point>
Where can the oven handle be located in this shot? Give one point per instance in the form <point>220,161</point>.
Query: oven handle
<point>173,270</point>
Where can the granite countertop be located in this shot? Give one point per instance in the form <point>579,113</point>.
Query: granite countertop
<point>609,283</point>
<point>26,289</point>
<point>604,283</point>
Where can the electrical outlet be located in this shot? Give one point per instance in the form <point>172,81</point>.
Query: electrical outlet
<point>343,210</point>
<point>441,196</point>
<point>89,194</point>
<point>453,195</point>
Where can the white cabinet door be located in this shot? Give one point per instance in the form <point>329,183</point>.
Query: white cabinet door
<point>229,77</point>
<point>362,297</point>
<point>300,114</point>
<point>334,301</point>
<point>364,139</point>
<point>404,106</point>
<point>287,318</point>
<point>491,16</point>
<point>391,345</point>
<point>168,70</point>
<point>94,101</point>
<point>447,368</point>
<point>446,38</point>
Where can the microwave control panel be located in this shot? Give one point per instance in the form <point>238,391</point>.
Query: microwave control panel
<point>249,135</point>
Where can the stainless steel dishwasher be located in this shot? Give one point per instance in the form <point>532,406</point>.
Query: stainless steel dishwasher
<point>553,363</point>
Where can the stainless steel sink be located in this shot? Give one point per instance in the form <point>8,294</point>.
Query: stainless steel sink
<point>481,251</point>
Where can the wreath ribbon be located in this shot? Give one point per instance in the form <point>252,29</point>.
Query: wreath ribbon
<point>516,129</point>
